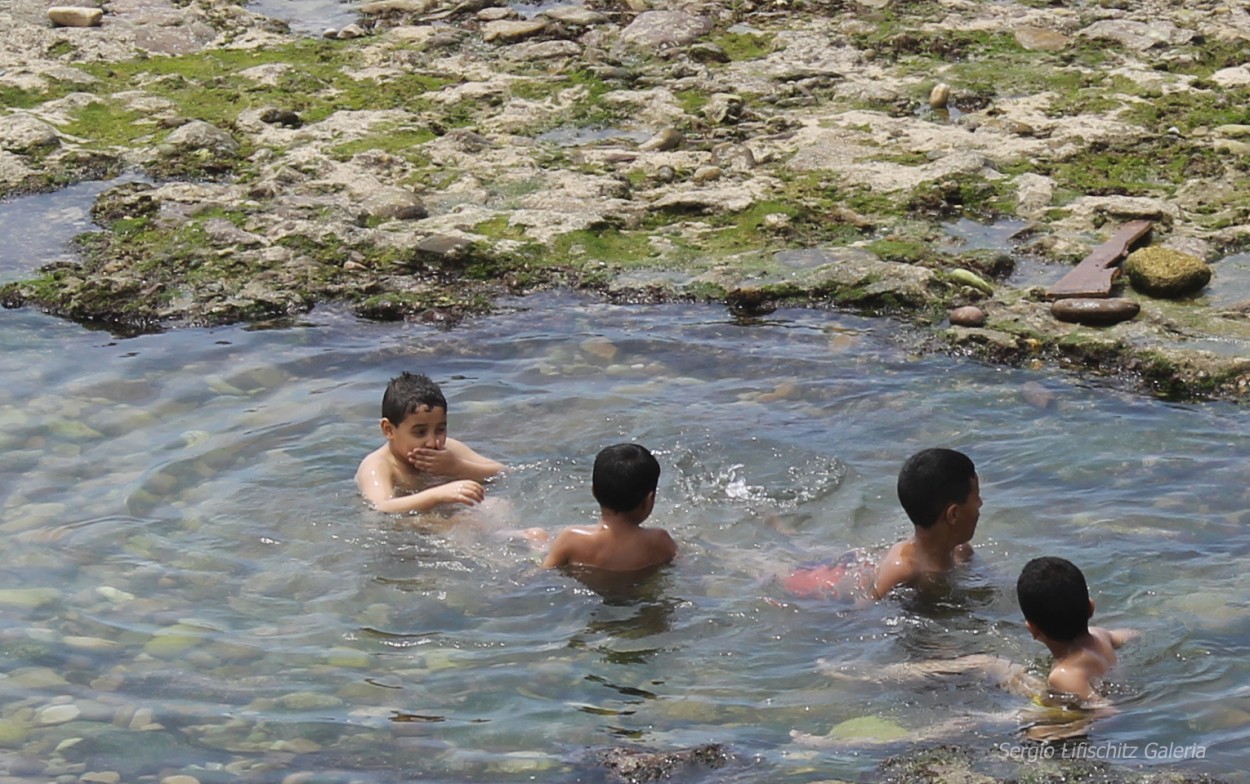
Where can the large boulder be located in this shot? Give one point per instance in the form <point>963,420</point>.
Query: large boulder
<point>1164,272</point>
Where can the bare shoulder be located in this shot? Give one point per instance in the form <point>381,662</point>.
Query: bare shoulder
<point>896,567</point>
<point>664,543</point>
<point>1068,679</point>
<point>374,468</point>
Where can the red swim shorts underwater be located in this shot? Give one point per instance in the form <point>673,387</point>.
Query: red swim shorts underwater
<point>846,576</point>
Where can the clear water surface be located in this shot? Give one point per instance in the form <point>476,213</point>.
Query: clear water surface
<point>192,585</point>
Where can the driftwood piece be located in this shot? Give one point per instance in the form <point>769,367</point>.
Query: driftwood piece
<point>1097,271</point>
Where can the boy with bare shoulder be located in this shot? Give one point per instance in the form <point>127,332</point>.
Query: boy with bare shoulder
<point>624,483</point>
<point>419,467</point>
<point>1055,601</point>
<point>941,494</point>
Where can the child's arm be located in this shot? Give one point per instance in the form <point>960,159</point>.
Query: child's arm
<point>464,491</point>
<point>377,485</point>
<point>1120,636</point>
<point>559,553</point>
<point>456,459</point>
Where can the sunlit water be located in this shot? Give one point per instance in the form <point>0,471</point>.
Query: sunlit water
<point>184,544</point>
<point>191,583</point>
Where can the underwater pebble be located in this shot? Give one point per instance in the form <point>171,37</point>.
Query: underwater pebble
<point>180,778</point>
<point>940,95</point>
<point>114,595</point>
<point>13,733</point>
<point>57,714</point>
<point>101,777</point>
<point>89,643</point>
<point>28,598</point>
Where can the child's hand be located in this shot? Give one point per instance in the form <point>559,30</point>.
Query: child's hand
<point>434,461</point>
<point>465,491</point>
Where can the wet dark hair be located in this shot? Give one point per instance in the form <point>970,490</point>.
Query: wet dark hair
<point>1054,597</point>
<point>931,480</point>
<point>623,477</point>
<point>409,392</point>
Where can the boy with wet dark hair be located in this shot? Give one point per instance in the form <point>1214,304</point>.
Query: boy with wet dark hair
<point>941,494</point>
<point>624,483</point>
<point>1055,601</point>
<point>419,467</point>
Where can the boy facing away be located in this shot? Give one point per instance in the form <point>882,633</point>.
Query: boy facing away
<point>624,483</point>
<point>419,467</point>
<point>1055,601</point>
<point>941,494</point>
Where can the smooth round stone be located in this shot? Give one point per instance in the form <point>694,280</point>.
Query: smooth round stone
<point>940,95</point>
<point>57,714</point>
<point>967,316</point>
<point>1094,312</point>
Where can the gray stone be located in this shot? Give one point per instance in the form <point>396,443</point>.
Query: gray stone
<point>1094,312</point>
<point>542,50</point>
<point>1039,39</point>
<point>667,139</point>
<point>655,30</point>
<point>1164,272</point>
<point>199,135</point>
<point>506,31</point>
<point>1138,35</point>
<point>394,204</point>
<point>575,16</point>
<point>75,16</point>
<point>387,7</point>
<point>23,134</point>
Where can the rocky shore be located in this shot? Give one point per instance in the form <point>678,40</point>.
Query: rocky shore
<point>433,156</point>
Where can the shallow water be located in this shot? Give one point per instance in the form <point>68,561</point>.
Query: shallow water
<point>191,583</point>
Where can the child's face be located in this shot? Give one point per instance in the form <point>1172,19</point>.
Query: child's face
<point>425,428</point>
<point>969,512</point>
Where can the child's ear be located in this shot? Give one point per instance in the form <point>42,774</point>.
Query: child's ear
<point>1091,609</point>
<point>1032,629</point>
<point>388,429</point>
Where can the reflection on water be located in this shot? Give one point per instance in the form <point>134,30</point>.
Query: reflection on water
<point>191,583</point>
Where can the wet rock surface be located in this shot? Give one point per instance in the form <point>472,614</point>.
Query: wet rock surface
<point>443,154</point>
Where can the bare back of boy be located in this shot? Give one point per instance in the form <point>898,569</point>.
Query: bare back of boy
<point>617,548</point>
<point>907,563</point>
<point>1079,672</point>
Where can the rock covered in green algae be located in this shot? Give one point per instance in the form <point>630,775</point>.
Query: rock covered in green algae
<point>1163,272</point>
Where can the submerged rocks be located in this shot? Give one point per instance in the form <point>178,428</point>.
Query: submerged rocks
<point>632,765</point>
<point>1094,311</point>
<point>1164,272</point>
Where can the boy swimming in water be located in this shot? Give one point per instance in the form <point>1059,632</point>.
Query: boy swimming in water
<point>1055,601</point>
<point>419,467</point>
<point>624,483</point>
<point>941,494</point>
